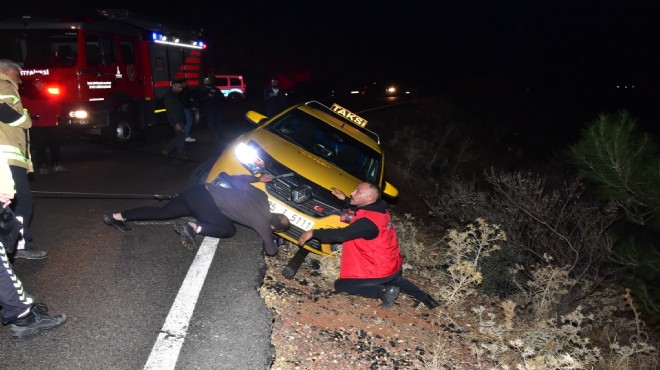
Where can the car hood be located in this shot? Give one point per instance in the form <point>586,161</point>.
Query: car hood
<point>306,164</point>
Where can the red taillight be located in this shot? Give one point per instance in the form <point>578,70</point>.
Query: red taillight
<point>53,90</point>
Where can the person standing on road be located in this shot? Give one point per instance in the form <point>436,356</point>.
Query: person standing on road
<point>14,147</point>
<point>215,209</point>
<point>212,99</point>
<point>188,101</point>
<point>25,317</point>
<point>274,98</point>
<point>371,263</point>
<point>177,119</point>
<point>45,134</point>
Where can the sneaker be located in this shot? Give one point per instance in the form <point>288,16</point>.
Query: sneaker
<point>35,322</point>
<point>190,139</point>
<point>118,224</point>
<point>389,295</point>
<point>30,254</point>
<point>183,228</point>
<point>59,168</point>
<point>43,170</point>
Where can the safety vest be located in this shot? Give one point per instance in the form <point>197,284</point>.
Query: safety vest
<point>10,152</point>
<point>14,139</point>
<point>375,258</point>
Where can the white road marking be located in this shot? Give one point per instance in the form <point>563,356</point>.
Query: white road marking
<point>165,351</point>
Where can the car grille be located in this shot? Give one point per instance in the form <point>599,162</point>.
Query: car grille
<point>295,232</point>
<point>321,203</point>
<point>315,206</point>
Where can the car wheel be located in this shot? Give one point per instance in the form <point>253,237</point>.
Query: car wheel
<point>234,97</point>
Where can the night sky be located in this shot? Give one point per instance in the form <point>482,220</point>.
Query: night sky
<point>537,44</point>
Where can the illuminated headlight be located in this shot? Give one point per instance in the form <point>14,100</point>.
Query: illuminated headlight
<point>391,90</point>
<point>249,157</point>
<point>78,114</point>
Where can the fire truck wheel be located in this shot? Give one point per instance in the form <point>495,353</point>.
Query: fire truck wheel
<point>123,129</point>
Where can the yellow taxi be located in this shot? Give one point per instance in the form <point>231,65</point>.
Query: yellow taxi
<point>310,148</point>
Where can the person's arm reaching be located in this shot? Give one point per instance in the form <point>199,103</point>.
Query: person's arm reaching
<point>362,228</point>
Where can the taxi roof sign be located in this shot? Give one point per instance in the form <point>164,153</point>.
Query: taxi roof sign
<point>354,118</point>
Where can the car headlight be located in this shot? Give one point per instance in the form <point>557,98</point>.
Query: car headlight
<point>249,158</point>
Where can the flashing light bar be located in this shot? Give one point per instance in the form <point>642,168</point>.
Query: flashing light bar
<point>161,39</point>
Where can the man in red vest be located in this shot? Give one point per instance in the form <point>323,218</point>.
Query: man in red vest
<point>371,262</point>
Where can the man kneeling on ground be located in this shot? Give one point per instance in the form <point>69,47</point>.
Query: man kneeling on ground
<point>371,263</point>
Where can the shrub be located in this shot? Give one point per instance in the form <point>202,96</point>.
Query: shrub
<point>623,164</point>
<point>465,249</point>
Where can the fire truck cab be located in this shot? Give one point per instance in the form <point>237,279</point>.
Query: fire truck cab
<point>104,75</point>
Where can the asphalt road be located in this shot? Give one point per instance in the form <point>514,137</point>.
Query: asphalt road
<point>118,288</point>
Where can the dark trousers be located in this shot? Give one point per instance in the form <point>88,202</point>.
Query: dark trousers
<point>372,288</point>
<point>44,139</point>
<point>177,142</point>
<point>13,299</point>
<point>213,120</point>
<point>195,202</point>
<point>23,202</point>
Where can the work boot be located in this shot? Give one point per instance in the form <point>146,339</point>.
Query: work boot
<point>183,228</point>
<point>34,322</point>
<point>389,295</point>
<point>430,302</point>
<point>30,254</point>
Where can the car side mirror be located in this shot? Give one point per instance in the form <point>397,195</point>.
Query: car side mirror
<point>255,117</point>
<point>390,190</point>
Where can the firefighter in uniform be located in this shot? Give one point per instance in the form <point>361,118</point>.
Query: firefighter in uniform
<point>25,317</point>
<point>14,147</point>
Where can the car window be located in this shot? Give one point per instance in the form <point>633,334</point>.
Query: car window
<point>329,143</point>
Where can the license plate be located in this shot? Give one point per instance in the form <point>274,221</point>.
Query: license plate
<point>296,219</point>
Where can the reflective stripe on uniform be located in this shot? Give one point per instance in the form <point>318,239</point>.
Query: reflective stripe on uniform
<point>15,99</point>
<point>6,265</point>
<point>19,121</point>
<point>11,152</point>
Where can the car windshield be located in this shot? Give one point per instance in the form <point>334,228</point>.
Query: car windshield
<point>39,48</point>
<point>329,143</point>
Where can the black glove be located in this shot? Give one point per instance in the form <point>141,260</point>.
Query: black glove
<point>10,229</point>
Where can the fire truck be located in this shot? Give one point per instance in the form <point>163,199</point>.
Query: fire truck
<point>103,74</point>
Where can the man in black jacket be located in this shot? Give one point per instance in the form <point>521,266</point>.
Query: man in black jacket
<point>275,99</point>
<point>176,118</point>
